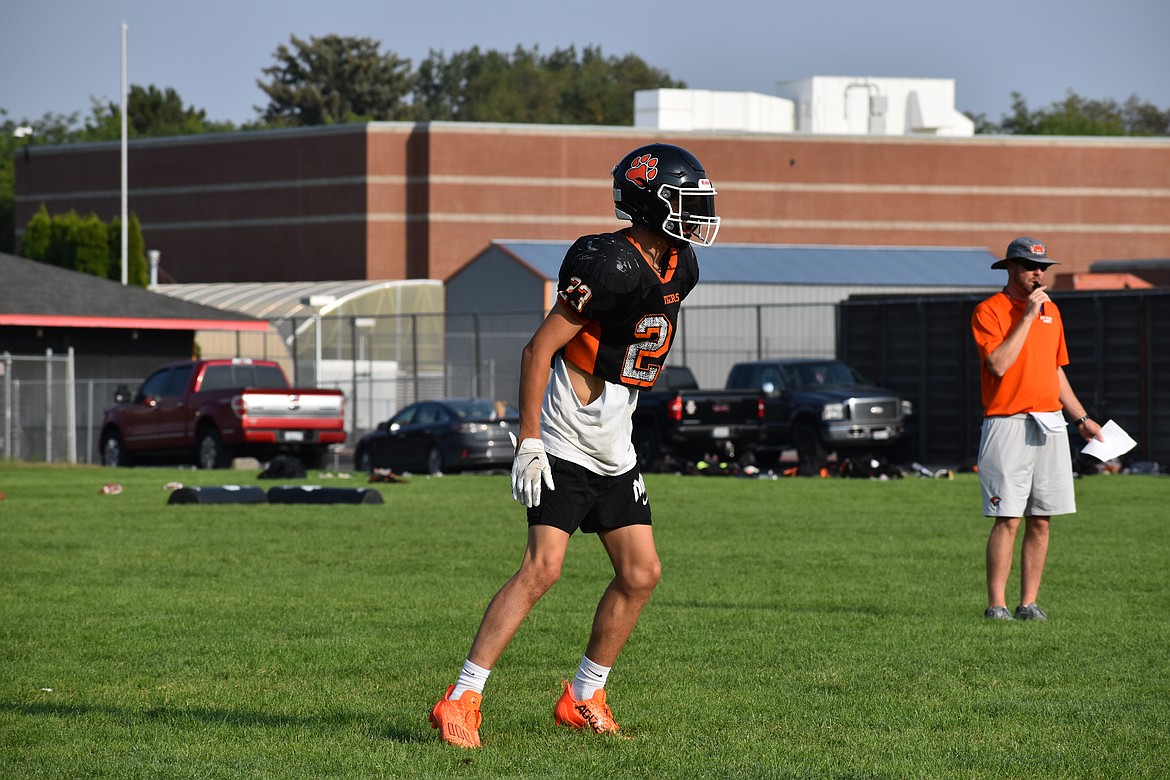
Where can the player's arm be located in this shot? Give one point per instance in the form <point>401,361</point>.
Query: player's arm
<point>557,329</point>
<point>1004,355</point>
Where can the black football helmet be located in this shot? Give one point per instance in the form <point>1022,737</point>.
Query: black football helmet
<point>664,189</point>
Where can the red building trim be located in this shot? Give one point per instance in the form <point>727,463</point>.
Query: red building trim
<point>144,323</point>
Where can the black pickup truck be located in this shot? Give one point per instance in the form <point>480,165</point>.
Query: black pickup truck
<point>818,406</point>
<point>676,422</point>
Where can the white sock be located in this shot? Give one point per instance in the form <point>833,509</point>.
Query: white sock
<point>590,678</point>
<point>472,678</point>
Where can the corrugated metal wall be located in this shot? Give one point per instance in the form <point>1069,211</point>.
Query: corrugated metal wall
<point>1119,352</point>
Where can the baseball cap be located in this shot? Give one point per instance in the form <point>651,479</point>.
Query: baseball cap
<point>1025,248</point>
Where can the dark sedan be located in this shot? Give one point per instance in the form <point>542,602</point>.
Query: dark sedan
<point>448,435</point>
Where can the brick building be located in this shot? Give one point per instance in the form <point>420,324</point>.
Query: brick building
<point>414,201</point>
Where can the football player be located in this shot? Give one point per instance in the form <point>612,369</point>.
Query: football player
<point>606,337</point>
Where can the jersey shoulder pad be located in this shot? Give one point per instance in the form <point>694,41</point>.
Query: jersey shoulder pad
<point>604,260</point>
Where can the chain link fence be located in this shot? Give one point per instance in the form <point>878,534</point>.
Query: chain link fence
<point>39,404</point>
<point>385,362</point>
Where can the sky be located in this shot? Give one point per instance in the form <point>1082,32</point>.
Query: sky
<point>55,55</point>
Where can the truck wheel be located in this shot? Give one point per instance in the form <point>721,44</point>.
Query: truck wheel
<point>212,454</point>
<point>361,461</point>
<point>809,447</point>
<point>434,460</point>
<point>113,453</point>
<point>650,457</point>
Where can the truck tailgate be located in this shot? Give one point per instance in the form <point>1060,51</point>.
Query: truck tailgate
<point>278,408</point>
<point>715,409</point>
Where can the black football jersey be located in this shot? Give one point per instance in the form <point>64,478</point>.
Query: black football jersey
<point>630,311</point>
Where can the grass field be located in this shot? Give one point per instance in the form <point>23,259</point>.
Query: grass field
<point>803,628</point>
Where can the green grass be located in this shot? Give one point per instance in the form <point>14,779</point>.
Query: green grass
<point>803,628</point>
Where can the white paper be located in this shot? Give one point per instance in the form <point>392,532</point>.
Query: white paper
<point>1052,423</point>
<point>1116,443</point>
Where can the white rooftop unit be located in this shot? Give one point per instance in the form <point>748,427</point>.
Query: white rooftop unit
<point>701,109</point>
<point>867,105</point>
<point>832,105</point>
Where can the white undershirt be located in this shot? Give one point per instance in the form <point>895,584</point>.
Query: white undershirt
<point>597,436</point>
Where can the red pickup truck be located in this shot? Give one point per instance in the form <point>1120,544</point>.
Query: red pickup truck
<point>211,411</point>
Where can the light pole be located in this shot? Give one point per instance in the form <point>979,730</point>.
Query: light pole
<point>125,177</point>
<point>360,326</point>
<point>316,303</point>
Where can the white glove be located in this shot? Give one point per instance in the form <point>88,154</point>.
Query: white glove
<point>529,468</point>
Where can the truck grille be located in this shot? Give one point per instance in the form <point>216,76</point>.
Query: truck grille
<point>863,410</point>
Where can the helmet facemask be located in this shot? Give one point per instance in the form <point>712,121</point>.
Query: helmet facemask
<point>690,213</point>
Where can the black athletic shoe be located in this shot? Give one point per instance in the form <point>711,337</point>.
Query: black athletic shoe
<point>1030,612</point>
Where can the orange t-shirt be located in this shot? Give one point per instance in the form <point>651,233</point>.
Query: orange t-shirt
<point>1032,383</point>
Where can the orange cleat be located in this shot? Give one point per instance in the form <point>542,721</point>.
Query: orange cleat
<point>458,719</point>
<point>592,714</point>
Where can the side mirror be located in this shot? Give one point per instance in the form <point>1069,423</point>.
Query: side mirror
<point>121,394</point>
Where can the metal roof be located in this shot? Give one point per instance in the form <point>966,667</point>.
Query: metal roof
<point>282,300</point>
<point>808,264</point>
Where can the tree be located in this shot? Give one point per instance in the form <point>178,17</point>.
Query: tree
<point>137,272</point>
<point>150,113</point>
<point>91,253</point>
<point>602,89</point>
<point>1142,118</point>
<point>62,249</point>
<point>561,88</point>
<point>86,244</point>
<point>7,184</point>
<point>1076,115</point>
<point>335,79</point>
<point>38,235</point>
<point>476,86</point>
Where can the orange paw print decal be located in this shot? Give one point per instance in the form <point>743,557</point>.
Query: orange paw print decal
<point>643,170</point>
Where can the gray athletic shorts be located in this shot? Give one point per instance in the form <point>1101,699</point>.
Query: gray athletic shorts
<point>1023,471</point>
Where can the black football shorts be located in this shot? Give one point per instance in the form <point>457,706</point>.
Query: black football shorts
<point>591,502</point>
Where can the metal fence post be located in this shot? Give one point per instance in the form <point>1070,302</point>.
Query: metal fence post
<point>18,437</point>
<point>89,420</point>
<point>7,404</point>
<point>759,332</point>
<point>414,351</point>
<point>70,409</point>
<point>296,355</point>
<point>478,355</point>
<point>353,353</point>
<point>48,406</point>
